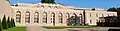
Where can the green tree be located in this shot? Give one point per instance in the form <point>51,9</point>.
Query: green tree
<point>48,1</point>
<point>112,9</point>
<point>118,9</point>
<point>1,26</point>
<point>115,10</point>
<point>4,23</point>
<point>13,23</point>
<point>9,23</point>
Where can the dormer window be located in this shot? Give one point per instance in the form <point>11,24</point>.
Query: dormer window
<point>42,6</point>
<point>49,6</point>
<point>56,7</point>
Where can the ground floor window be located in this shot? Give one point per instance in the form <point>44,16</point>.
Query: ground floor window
<point>27,17</point>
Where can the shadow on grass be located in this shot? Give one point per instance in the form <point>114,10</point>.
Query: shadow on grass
<point>62,27</point>
<point>20,28</point>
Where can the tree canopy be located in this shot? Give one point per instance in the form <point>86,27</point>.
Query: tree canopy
<point>114,9</point>
<point>48,1</point>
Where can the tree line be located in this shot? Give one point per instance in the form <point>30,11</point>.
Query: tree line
<point>113,9</point>
<point>5,24</point>
<point>111,21</point>
<point>48,1</point>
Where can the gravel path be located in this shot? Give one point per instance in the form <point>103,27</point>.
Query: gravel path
<point>38,28</point>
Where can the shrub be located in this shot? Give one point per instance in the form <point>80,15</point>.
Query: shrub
<point>1,26</point>
<point>9,23</point>
<point>13,23</point>
<point>4,23</point>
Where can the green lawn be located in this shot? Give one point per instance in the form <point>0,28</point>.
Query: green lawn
<point>16,29</point>
<point>62,27</point>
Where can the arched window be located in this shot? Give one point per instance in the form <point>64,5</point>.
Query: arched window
<point>102,15</point>
<point>90,15</point>
<point>18,16</point>
<point>44,17</point>
<point>80,18</point>
<point>53,18</point>
<point>113,15</point>
<point>74,19</point>
<point>36,17</point>
<point>49,6</point>
<point>97,20</point>
<point>42,6</point>
<point>90,21</point>
<point>80,15</point>
<point>96,15</point>
<point>67,16</point>
<point>60,18</point>
<point>27,17</point>
<point>74,16</point>
<point>108,15</point>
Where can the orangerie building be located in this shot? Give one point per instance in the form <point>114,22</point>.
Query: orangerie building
<point>43,14</point>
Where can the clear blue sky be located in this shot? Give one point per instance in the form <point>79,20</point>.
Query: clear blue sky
<point>80,3</point>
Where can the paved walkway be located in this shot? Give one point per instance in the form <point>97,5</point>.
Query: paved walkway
<point>38,28</point>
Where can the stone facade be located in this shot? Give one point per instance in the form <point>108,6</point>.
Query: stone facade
<point>51,14</point>
<point>5,9</point>
<point>88,16</point>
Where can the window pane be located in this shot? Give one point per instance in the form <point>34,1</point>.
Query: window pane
<point>36,17</point>
<point>18,16</point>
<point>60,18</point>
<point>52,17</point>
<point>44,17</point>
<point>27,17</point>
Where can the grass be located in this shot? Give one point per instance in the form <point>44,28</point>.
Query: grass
<point>16,29</point>
<point>62,27</point>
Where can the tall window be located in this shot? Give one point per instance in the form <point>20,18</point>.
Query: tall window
<point>53,18</point>
<point>102,15</point>
<point>97,20</point>
<point>44,17</point>
<point>67,16</point>
<point>80,17</point>
<point>60,18</point>
<point>113,15</point>
<point>90,14</point>
<point>18,16</point>
<point>36,17</point>
<point>27,17</point>
<point>108,15</point>
<point>96,15</point>
<point>90,21</point>
<point>74,17</point>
